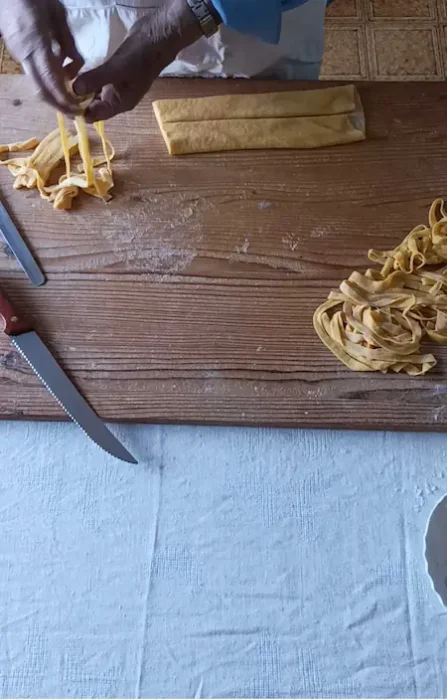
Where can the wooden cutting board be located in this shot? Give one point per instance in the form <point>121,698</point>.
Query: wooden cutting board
<point>190,297</point>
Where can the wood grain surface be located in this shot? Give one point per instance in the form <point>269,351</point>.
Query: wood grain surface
<point>189,298</point>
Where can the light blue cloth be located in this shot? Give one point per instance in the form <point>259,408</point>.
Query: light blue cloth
<point>259,18</point>
<point>228,563</point>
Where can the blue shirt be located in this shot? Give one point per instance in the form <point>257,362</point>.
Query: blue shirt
<point>259,18</point>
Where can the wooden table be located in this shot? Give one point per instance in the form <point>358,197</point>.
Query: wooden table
<point>190,297</point>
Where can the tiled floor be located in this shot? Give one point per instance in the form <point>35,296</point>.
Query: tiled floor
<point>386,40</point>
<point>374,40</point>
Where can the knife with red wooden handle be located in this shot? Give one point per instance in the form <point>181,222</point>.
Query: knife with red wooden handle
<point>56,381</point>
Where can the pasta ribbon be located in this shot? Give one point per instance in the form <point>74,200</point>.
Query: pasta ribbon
<point>376,320</point>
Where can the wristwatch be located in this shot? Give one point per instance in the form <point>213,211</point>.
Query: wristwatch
<point>205,16</point>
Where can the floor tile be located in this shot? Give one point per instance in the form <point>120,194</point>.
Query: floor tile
<point>403,53</point>
<point>344,57</point>
<point>402,9</point>
<point>344,11</point>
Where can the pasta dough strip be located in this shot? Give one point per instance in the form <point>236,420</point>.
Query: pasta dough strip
<point>35,170</point>
<point>293,103</point>
<point>250,134</point>
<point>64,141</point>
<point>84,150</point>
<point>28,145</point>
<point>106,146</point>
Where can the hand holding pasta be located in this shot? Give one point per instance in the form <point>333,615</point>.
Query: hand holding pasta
<point>37,34</point>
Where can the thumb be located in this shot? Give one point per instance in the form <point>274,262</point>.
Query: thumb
<point>93,81</point>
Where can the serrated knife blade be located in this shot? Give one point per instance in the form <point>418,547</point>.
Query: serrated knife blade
<point>56,381</point>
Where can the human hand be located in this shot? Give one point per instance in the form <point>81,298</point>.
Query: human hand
<point>152,44</point>
<point>37,35</point>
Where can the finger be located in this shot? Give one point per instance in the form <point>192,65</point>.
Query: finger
<point>106,106</point>
<point>48,75</point>
<point>99,112</point>
<point>49,98</point>
<point>72,69</point>
<point>93,81</point>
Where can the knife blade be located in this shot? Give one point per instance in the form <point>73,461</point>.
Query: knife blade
<point>20,249</point>
<point>36,353</point>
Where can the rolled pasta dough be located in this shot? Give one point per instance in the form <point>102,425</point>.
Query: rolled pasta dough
<point>296,119</point>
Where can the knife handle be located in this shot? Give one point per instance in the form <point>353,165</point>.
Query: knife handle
<point>11,322</point>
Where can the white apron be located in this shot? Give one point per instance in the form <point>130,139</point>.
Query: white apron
<point>99,27</point>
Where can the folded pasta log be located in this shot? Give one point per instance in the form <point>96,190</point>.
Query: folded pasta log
<point>294,119</point>
<point>377,319</point>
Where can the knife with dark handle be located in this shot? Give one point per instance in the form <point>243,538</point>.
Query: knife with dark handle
<point>56,381</point>
<point>21,251</point>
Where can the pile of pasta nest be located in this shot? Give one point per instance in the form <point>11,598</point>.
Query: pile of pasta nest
<point>92,176</point>
<point>377,319</point>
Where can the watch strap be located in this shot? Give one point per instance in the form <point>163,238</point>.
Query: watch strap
<point>204,16</point>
